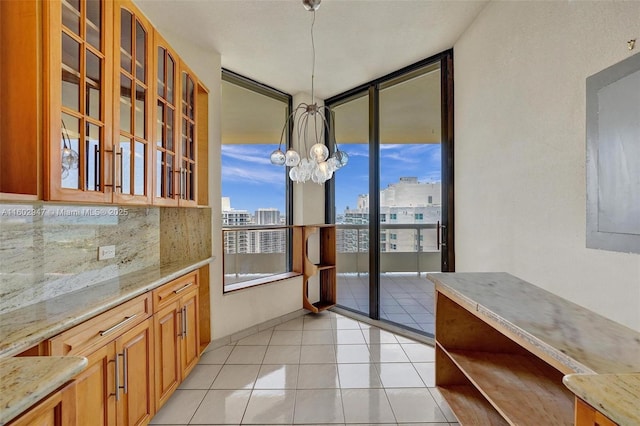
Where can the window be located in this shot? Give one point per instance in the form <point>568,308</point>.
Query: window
<point>393,236</point>
<point>383,237</point>
<point>419,216</point>
<point>393,246</point>
<point>256,196</point>
<point>430,201</point>
<point>393,216</point>
<point>383,217</point>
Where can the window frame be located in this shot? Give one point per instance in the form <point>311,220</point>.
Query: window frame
<point>266,90</point>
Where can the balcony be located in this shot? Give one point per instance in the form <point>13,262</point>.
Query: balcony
<point>408,252</point>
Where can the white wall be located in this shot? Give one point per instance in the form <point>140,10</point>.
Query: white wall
<point>520,73</point>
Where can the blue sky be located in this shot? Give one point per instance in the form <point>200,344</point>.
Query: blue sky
<point>251,181</point>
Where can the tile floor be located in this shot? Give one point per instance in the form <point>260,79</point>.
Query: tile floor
<point>406,299</point>
<point>316,369</point>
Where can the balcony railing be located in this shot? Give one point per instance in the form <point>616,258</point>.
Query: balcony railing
<point>403,248</point>
<point>256,252</point>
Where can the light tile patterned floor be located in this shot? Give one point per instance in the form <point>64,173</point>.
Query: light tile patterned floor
<point>316,369</point>
<point>406,299</point>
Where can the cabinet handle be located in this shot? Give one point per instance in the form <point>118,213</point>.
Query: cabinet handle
<point>180,332</point>
<point>114,170</point>
<point>125,355</point>
<point>183,288</point>
<point>117,371</point>
<point>118,325</point>
<point>184,321</point>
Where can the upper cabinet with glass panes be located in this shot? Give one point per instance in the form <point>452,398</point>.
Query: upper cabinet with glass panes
<point>115,113</point>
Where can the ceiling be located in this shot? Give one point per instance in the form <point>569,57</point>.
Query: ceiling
<point>356,40</point>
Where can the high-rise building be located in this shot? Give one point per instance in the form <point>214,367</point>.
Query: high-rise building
<point>407,201</point>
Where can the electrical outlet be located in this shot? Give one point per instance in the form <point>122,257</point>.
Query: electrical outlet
<point>106,252</point>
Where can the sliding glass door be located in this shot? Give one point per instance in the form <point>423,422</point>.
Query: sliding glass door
<point>393,207</point>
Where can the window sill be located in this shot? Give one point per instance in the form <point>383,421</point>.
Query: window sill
<point>260,281</point>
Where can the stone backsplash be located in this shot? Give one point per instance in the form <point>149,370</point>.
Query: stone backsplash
<point>47,250</point>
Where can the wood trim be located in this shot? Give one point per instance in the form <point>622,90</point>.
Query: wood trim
<point>202,126</point>
<point>204,307</point>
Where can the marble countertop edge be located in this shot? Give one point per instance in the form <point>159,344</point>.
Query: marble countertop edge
<point>17,336</point>
<point>617,396</point>
<point>27,380</point>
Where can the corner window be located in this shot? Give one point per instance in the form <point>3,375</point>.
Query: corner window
<point>256,197</point>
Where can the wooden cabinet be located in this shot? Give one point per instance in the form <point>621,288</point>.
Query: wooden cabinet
<point>95,109</point>
<point>177,348</point>
<point>58,409</point>
<point>117,386</point>
<point>78,64</point>
<point>132,149</point>
<point>324,268</point>
<point>586,415</point>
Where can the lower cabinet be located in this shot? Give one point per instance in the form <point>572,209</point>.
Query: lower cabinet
<point>58,409</point>
<point>177,337</point>
<point>138,354</point>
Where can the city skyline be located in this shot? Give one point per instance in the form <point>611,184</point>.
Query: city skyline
<point>252,182</point>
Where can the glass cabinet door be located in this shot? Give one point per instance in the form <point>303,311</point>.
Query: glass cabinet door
<point>187,181</point>
<point>78,96</point>
<point>132,177</point>
<point>166,189</point>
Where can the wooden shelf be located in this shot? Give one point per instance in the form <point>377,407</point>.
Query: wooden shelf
<point>520,387</point>
<point>324,267</point>
<point>470,407</point>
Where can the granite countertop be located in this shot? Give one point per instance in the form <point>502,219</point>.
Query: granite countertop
<point>25,327</point>
<point>19,390</point>
<point>577,339</point>
<point>617,396</point>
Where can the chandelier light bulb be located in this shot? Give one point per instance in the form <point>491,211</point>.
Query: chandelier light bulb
<point>319,153</point>
<point>69,158</point>
<point>277,157</point>
<point>292,158</point>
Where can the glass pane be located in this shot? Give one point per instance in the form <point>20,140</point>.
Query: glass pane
<point>256,254</point>
<point>170,79</point>
<point>125,40</point>
<point>161,72</point>
<point>141,53</point>
<point>125,165</point>
<point>94,23</point>
<point>185,95</point>
<point>352,204</point>
<point>159,168</point>
<point>191,176</point>
<point>185,136</point>
<point>139,167</point>
<point>70,73</point>
<point>92,154</point>
<point>125,103</point>
<point>70,146</point>
<point>410,201</point>
<point>169,176</point>
<point>71,15</point>
<point>94,85</point>
<point>190,97</point>
<point>169,125</point>
<point>191,147</point>
<point>160,124</point>
<point>141,130</point>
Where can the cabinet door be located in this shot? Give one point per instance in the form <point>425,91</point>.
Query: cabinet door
<point>135,350</point>
<point>58,409</point>
<point>96,392</point>
<point>188,138</point>
<point>132,113</point>
<point>191,333</point>
<point>78,100</point>
<point>168,335</point>
<point>166,115</point>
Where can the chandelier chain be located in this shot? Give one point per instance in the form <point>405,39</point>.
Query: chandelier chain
<point>313,62</point>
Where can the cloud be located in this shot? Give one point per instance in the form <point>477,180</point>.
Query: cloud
<point>253,175</point>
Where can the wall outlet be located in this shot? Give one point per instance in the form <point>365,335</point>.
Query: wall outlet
<point>106,252</point>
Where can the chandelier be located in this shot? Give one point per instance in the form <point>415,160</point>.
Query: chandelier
<point>318,166</point>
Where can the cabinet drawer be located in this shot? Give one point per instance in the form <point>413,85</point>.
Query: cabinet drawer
<point>173,290</point>
<point>101,329</point>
